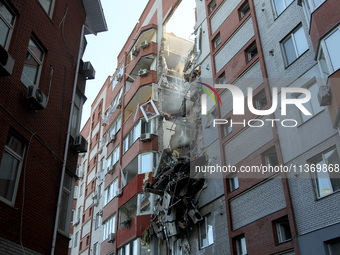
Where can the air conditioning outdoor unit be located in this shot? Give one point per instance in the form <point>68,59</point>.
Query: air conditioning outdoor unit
<point>76,222</point>
<point>36,98</point>
<point>135,50</point>
<point>88,71</point>
<point>111,238</point>
<point>110,170</point>
<point>6,62</point>
<point>119,77</point>
<point>144,44</point>
<point>80,144</point>
<point>96,202</point>
<point>145,137</point>
<point>120,192</point>
<point>324,96</point>
<point>143,72</point>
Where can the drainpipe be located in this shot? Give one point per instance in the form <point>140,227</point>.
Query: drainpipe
<point>67,141</point>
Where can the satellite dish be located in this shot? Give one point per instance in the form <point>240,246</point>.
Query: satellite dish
<point>100,176</point>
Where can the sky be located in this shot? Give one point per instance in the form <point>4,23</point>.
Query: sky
<point>102,50</point>
<point>121,17</point>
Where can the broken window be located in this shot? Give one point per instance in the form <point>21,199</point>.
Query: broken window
<point>128,212</point>
<point>206,236</point>
<point>145,203</point>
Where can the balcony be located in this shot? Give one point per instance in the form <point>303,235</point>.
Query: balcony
<point>334,107</point>
<point>143,59</point>
<point>140,82</point>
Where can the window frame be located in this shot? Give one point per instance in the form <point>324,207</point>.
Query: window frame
<point>40,62</point>
<point>76,132</point>
<point>276,14</point>
<point>20,158</point>
<point>315,176</point>
<point>291,36</point>
<point>244,9</point>
<point>268,153</point>
<point>216,41</point>
<point>50,10</point>
<point>278,227</point>
<point>109,226</point>
<point>233,185</point>
<point>205,219</point>
<point>10,26</point>
<point>239,244</point>
<point>324,49</point>
<point>139,204</point>
<point>212,6</point>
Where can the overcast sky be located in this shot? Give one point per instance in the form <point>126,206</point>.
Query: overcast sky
<point>102,50</point>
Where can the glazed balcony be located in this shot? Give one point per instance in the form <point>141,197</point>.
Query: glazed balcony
<point>143,59</point>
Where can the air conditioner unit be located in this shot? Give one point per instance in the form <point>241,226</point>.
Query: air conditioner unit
<point>119,77</point>
<point>94,195</point>
<point>96,202</point>
<point>110,170</point>
<point>80,144</point>
<point>112,139</point>
<point>144,44</point>
<point>143,72</point>
<point>6,62</point>
<point>76,222</point>
<point>88,71</point>
<point>35,98</point>
<point>324,96</point>
<point>80,174</point>
<point>111,238</point>
<point>120,192</point>
<point>135,50</point>
<point>145,137</point>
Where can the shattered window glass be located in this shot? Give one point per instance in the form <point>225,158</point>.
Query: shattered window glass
<point>145,203</point>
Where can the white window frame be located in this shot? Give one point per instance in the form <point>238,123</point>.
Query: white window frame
<point>323,48</point>
<point>233,182</point>
<point>241,245</point>
<point>291,36</point>
<point>210,240</point>
<point>323,175</point>
<point>8,24</point>
<point>285,7</point>
<point>112,159</point>
<point>111,191</point>
<point>18,157</point>
<point>153,162</point>
<point>151,198</point>
<point>39,61</point>
<point>49,12</point>
<point>280,234</point>
<point>109,226</point>
<point>75,240</point>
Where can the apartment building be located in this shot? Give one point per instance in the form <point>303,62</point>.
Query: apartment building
<point>42,88</point>
<point>148,199</point>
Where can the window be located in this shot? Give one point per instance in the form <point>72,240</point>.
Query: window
<point>251,51</point>
<point>333,246</point>
<point>313,106</point>
<point>76,239</point>
<point>133,135</point>
<point>82,187</point>
<point>109,227</point>
<point>66,204</point>
<point>221,79</point>
<point>329,55</point>
<point>206,236</point>
<point>10,168</point>
<point>76,114</point>
<point>75,193</point>
<point>97,221</point>
<point>95,249</point>
<point>100,190</point>
<point>270,157</point>
<point>233,182</point>
<point>115,126</point>
<point>281,5</point>
<point>244,9</point>
<point>241,247</point>
<point>283,229</point>
<point>294,45</point>
<point>212,6</point>
<point>260,100</point>
<point>147,163</point>
<point>326,182</point>
<point>145,203</point>
<point>112,159</point>
<point>227,128</point>
<point>7,19</point>
<point>111,191</point>
<point>217,40</point>
<point>47,5</point>
<point>87,240</point>
<point>33,63</point>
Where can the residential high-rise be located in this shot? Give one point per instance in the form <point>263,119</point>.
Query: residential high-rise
<point>42,84</point>
<point>143,193</point>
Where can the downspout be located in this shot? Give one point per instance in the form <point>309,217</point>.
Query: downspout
<point>55,230</point>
